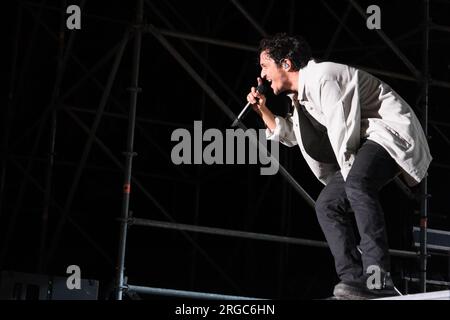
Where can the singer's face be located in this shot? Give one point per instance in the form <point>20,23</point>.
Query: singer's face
<point>276,76</point>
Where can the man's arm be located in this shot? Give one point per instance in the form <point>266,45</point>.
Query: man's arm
<point>278,128</point>
<point>258,102</point>
<point>268,118</point>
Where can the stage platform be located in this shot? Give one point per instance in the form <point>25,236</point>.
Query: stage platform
<point>436,295</point>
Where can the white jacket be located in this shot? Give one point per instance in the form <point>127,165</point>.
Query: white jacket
<point>352,105</point>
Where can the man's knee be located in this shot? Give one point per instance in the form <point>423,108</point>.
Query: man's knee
<point>328,205</point>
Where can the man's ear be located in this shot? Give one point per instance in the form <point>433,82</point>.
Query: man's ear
<point>286,64</point>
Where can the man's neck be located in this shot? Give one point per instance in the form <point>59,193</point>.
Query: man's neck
<point>293,80</point>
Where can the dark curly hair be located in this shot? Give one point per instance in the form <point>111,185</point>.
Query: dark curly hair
<point>282,46</point>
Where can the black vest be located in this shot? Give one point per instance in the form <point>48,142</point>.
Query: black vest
<point>315,137</point>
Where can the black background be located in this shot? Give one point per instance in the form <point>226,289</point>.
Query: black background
<point>225,196</point>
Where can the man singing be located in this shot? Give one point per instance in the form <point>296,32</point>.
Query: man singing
<point>356,134</point>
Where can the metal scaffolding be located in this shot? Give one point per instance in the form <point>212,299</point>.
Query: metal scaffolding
<point>136,31</point>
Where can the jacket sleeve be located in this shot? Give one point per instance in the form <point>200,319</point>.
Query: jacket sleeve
<point>343,117</point>
<point>283,132</point>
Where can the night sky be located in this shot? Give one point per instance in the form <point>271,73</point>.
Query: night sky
<point>50,96</point>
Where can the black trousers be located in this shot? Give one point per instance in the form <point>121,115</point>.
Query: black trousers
<point>372,169</point>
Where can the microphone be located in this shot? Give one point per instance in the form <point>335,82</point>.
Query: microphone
<point>261,89</point>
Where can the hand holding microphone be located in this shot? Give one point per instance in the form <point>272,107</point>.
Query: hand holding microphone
<point>256,99</point>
